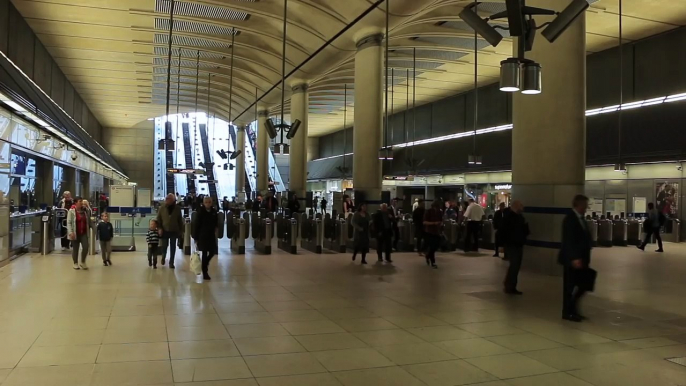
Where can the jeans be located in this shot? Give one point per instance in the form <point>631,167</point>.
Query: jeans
<point>169,240</point>
<point>432,242</point>
<point>571,293</point>
<point>153,251</point>
<point>80,241</point>
<point>206,257</point>
<point>106,249</point>
<point>514,253</point>
<point>473,231</point>
<point>653,231</point>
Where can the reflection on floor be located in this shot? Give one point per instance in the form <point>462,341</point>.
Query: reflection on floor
<point>322,320</point>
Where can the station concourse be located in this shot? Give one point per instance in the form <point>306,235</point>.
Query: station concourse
<point>293,132</point>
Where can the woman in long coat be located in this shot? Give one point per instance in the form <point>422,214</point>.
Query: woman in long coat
<point>205,234</point>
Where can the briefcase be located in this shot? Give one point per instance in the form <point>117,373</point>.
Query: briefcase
<point>585,279</point>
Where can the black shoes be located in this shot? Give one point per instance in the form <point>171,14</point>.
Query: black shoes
<point>660,250</point>
<point>171,266</point>
<point>641,247</point>
<point>109,262</point>
<point>389,260</point>
<point>206,277</point>
<point>496,255</point>
<point>513,292</point>
<point>149,263</point>
<point>573,318</point>
<point>354,256</point>
<point>164,260</point>
<point>363,261</point>
<point>434,266</point>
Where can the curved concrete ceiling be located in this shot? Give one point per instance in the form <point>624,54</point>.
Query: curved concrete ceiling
<point>115,51</point>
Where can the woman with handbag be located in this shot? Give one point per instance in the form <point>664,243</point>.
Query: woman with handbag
<point>205,234</point>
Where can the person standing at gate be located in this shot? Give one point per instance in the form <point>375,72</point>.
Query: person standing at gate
<point>418,223</point>
<point>323,203</point>
<point>65,203</point>
<point>383,230</point>
<point>206,234</point>
<point>433,223</point>
<point>513,232</point>
<point>360,223</point>
<point>497,224</point>
<point>170,222</point>
<point>652,226</point>
<point>78,224</point>
<point>575,255</point>
<point>473,216</point>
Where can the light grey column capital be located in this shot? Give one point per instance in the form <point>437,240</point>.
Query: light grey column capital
<point>298,88</point>
<point>263,113</point>
<point>369,41</point>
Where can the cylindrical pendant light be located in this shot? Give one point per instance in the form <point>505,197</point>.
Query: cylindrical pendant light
<point>531,78</point>
<point>509,75</point>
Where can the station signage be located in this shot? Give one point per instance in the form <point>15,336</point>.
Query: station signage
<point>503,187</point>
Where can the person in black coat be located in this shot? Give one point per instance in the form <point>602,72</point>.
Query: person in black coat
<point>294,204</point>
<point>513,232</point>
<point>205,234</point>
<point>497,224</point>
<point>575,256</point>
<point>418,223</point>
<point>383,231</point>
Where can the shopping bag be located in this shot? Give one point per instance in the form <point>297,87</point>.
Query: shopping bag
<point>196,264</point>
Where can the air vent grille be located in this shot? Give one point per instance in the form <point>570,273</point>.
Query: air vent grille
<point>195,27</point>
<point>190,41</point>
<point>186,8</point>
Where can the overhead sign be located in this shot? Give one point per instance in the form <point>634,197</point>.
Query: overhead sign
<point>503,187</point>
<point>186,171</point>
<point>208,181</point>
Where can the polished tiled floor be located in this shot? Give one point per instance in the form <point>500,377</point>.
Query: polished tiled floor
<point>321,320</point>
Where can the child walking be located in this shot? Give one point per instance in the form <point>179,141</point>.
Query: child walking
<point>105,235</point>
<point>153,240</point>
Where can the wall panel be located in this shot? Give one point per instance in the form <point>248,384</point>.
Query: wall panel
<point>42,67</point>
<point>21,42</point>
<point>660,65</point>
<point>4,24</point>
<point>78,109</point>
<point>68,98</point>
<point>57,87</point>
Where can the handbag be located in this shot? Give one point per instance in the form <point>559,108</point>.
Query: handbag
<point>196,264</point>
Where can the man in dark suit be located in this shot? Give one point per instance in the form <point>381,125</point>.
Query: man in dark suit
<point>497,224</point>
<point>575,256</point>
<point>383,229</point>
<point>513,231</point>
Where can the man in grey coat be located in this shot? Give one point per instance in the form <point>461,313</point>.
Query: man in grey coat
<point>171,226</point>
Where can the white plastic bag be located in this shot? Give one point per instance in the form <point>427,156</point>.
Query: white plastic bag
<point>196,264</point>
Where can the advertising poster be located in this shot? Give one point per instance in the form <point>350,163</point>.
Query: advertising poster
<point>667,198</point>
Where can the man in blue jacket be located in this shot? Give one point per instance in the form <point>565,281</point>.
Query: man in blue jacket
<point>575,255</point>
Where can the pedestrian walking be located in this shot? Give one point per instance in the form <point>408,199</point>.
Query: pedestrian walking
<point>105,233</point>
<point>651,226</point>
<point>514,231</point>
<point>433,223</point>
<point>171,227</point>
<point>206,234</point>
<point>383,230</point>
<point>360,223</point>
<point>78,224</point>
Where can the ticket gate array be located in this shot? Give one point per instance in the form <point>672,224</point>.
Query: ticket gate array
<point>238,229</point>
<point>336,234</point>
<point>487,235</point>
<point>592,226</point>
<point>605,233</point>
<point>633,232</point>
<point>287,232</point>
<point>262,234</point>
<point>406,227</point>
<point>619,232</point>
<point>312,234</point>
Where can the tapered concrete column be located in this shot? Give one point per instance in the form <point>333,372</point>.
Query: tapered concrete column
<point>262,152</point>
<point>240,161</point>
<point>298,156</point>
<point>369,109</point>
<point>549,140</point>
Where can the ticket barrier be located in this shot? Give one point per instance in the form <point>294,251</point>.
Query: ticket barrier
<point>240,233</point>
<point>487,235</point>
<point>633,232</point>
<point>406,235</point>
<point>449,231</point>
<point>230,223</point>
<point>312,235</point>
<point>46,228</point>
<point>672,231</point>
<point>592,226</point>
<point>288,235</point>
<point>605,233</point>
<point>338,239</point>
<point>263,236</point>
<point>619,232</point>
<point>349,233</point>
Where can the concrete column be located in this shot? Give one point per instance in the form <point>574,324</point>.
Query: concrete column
<point>240,162</point>
<point>312,149</point>
<point>262,152</point>
<point>298,156</point>
<point>549,140</point>
<point>369,108</point>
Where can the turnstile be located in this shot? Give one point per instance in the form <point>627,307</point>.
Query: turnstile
<point>240,233</point>
<point>288,235</point>
<point>406,235</point>
<point>263,236</point>
<point>633,232</point>
<point>450,236</point>
<point>312,235</point>
<point>619,232</point>
<point>592,226</point>
<point>487,235</point>
<point>337,240</point>
<point>605,233</point>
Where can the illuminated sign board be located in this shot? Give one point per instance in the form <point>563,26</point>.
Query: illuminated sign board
<point>503,187</point>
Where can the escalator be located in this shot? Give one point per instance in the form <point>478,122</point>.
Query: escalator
<point>209,164</point>
<point>169,159</point>
<point>189,156</point>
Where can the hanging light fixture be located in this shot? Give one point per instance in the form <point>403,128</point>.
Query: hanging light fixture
<point>474,159</point>
<point>620,166</point>
<point>531,78</point>
<point>509,75</point>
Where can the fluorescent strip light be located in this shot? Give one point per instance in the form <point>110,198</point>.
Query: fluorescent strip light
<point>654,101</point>
<point>15,106</point>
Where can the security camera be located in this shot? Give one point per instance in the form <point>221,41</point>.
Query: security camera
<point>679,167</point>
<point>74,156</point>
